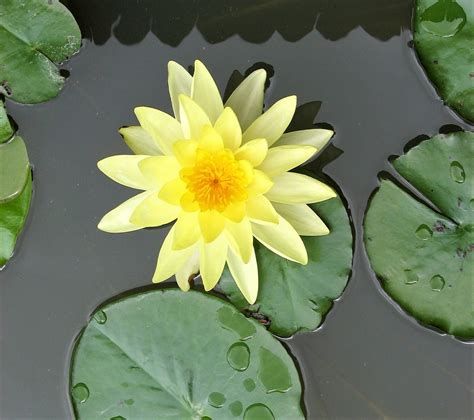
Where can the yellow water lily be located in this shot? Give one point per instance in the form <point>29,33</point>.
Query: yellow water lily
<point>221,172</point>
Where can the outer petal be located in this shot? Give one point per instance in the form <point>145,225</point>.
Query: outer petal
<point>247,99</point>
<point>118,219</point>
<point>172,191</point>
<point>316,137</point>
<point>245,275</point>
<point>153,212</point>
<point>125,170</point>
<point>186,232</point>
<point>240,239</point>
<point>205,93</point>
<point>212,224</point>
<point>159,169</point>
<point>193,118</point>
<point>282,239</point>
<point>170,261</point>
<point>189,269</point>
<point>161,126</point>
<point>305,221</point>
<point>139,141</point>
<point>273,123</point>
<point>227,125</point>
<point>292,188</point>
<point>212,261</point>
<point>260,210</point>
<point>185,152</point>
<point>283,158</point>
<point>254,151</point>
<point>179,83</point>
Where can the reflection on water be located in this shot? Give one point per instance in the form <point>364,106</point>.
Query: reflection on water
<point>254,20</point>
<point>444,18</point>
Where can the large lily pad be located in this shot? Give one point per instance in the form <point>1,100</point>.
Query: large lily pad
<point>293,297</point>
<point>35,35</point>
<point>443,35</point>
<point>169,354</point>
<point>423,257</point>
<point>13,215</point>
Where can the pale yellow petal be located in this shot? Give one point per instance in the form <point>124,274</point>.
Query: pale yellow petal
<point>227,125</point>
<point>235,211</point>
<point>212,224</point>
<point>172,191</point>
<point>260,185</point>
<point>293,188</point>
<point>179,83</point>
<point>193,118</point>
<point>186,232</point>
<point>185,152</point>
<point>247,99</point>
<point>205,93</point>
<point>282,239</point>
<point>316,137</point>
<point>188,271</point>
<point>170,261</point>
<point>118,219</point>
<point>159,170</point>
<point>240,238</point>
<point>245,275</point>
<point>283,158</point>
<point>273,123</point>
<point>305,221</point>
<point>211,140</point>
<point>125,170</point>
<point>260,210</point>
<point>212,261</point>
<point>153,212</point>
<point>254,151</point>
<point>161,126</point>
<point>139,141</point>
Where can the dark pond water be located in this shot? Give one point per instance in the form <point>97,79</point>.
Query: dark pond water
<point>368,360</point>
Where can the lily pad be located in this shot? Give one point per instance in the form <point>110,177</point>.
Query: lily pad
<point>35,36</point>
<point>443,35</point>
<point>294,297</point>
<point>170,354</point>
<point>424,255</point>
<point>13,215</point>
<point>14,168</point>
<point>6,130</point>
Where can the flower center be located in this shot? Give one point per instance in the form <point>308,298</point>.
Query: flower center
<point>216,180</point>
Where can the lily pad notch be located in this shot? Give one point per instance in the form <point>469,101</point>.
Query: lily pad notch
<point>420,243</point>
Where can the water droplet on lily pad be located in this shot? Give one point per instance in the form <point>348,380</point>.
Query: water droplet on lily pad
<point>424,232</point>
<point>238,356</point>
<point>258,412</point>
<point>411,277</point>
<point>471,203</point>
<point>236,408</point>
<point>234,321</point>
<point>457,172</point>
<point>444,18</point>
<point>437,283</point>
<point>100,317</point>
<point>273,372</point>
<point>216,399</point>
<point>129,401</point>
<point>249,384</point>
<point>80,392</point>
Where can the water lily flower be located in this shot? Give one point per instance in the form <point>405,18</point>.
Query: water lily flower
<point>221,172</point>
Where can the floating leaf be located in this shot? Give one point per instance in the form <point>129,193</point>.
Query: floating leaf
<point>294,297</point>
<point>444,34</point>
<point>180,355</point>
<point>14,168</point>
<point>35,35</point>
<point>6,130</point>
<point>425,258</point>
<point>13,214</point>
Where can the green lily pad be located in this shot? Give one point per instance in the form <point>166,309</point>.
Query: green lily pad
<point>423,257</point>
<point>13,215</point>
<point>443,35</point>
<point>6,130</point>
<point>294,297</point>
<point>171,354</point>
<point>14,168</point>
<point>35,36</point>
